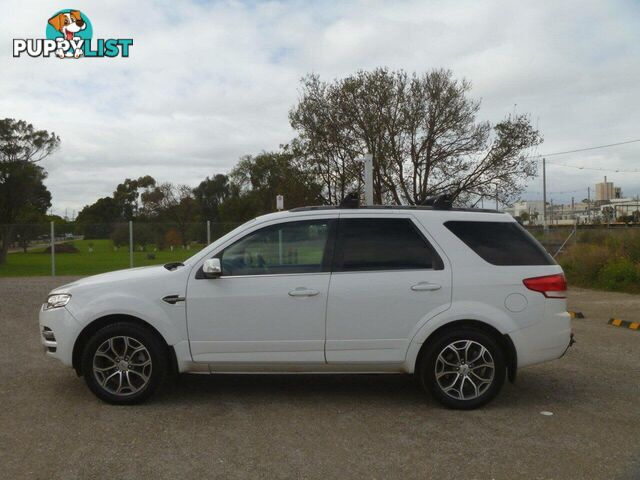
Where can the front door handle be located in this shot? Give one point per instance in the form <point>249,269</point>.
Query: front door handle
<point>173,299</point>
<point>426,287</point>
<point>303,292</point>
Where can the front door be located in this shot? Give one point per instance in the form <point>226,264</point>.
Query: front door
<point>387,278</point>
<point>269,305</point>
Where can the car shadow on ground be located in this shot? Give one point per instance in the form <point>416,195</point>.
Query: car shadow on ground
<point>531,388</point>
<point>534,386</point>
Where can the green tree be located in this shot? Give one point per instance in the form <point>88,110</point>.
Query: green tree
<point>172,204</point>
<point>127,195</point>
<point>525,218</point>
<point>422,131</point>
<point>97,220</point>
<point>210,194</point>
<point>22,188</point>
<point>257,180</point>
<point>31,223</point>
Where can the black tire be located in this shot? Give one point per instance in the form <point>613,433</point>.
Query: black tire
<point>153,358</point>
<point>483,392</point>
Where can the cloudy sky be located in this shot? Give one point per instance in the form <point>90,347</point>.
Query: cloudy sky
<point>209,81</point>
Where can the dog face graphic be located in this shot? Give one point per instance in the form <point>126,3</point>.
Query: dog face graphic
<point>68,23</point>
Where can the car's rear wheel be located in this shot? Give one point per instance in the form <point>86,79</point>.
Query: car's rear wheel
<point>463,368</point>
<point>124,363</point>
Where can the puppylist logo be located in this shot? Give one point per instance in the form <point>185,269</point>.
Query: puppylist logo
<point>69,34</point>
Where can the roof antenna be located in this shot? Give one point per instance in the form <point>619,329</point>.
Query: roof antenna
<point>351,200</point>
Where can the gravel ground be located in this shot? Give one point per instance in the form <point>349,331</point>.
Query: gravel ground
<point>324,426</point>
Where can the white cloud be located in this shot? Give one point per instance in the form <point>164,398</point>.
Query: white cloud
<point>210,81</point>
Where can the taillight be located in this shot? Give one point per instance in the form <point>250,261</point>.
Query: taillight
<point>551,286</point>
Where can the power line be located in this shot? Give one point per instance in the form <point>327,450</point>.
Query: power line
<point>612,170</point>
<point>557,193</point>
<point>586,149</point>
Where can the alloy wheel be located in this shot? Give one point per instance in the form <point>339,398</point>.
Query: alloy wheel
<point>464,369</point>
<point>122,365</point>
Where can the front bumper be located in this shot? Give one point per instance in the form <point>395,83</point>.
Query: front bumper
<point>58,332</point>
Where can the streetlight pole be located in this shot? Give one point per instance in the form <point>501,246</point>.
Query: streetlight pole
<point>544,194</point>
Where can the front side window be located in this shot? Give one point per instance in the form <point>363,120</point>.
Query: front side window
<point>366,244</point>
<point>294,247</point>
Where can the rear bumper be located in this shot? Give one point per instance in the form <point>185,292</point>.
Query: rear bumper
<point>545,340</point>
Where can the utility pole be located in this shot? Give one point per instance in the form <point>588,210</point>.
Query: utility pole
<point>589,204</point>
<point>496,196</point>
<point>573,208</point>
<point>544,194</point>
<point>368,178</point>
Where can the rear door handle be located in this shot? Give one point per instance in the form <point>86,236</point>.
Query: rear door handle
<point>303,292</point>
<point>426,287</point>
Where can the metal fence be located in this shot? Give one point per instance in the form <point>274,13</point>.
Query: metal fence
<point>68,248</point>
<point>558,239</point>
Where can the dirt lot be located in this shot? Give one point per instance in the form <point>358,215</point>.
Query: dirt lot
<point>324,426</point>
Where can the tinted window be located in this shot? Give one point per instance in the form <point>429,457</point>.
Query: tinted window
<point>501,243</point>
<point>295,247</point>
<point>382,244</point>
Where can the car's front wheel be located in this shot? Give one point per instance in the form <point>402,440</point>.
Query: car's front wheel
<point>463,368</point>
<point>124,363</point>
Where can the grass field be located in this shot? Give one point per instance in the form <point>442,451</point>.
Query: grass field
<point>102,259</point>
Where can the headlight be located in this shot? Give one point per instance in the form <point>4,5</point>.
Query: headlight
<point>57,300</point>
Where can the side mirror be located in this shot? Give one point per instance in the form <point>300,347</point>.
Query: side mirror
<point>212,268</point>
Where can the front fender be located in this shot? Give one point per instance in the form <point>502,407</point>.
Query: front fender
<point>169,320</point>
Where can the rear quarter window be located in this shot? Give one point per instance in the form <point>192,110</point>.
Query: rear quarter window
<point>501,243</point>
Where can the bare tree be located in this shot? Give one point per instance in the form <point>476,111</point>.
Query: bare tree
<point>422,132</point>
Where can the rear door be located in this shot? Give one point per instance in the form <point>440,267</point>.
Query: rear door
<point>387,276</point>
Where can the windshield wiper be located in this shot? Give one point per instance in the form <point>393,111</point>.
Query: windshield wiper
<point>171,266</point>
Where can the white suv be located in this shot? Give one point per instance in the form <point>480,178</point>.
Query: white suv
<point>459,298</point>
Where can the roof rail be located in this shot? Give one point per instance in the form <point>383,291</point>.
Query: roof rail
<point>391,207</point>
<point>443,201</point>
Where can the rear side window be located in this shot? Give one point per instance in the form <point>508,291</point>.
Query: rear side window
<point>366,244</point>
<point>501,243</point>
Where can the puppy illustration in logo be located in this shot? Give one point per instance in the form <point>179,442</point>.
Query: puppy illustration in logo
<point>68,24</point>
